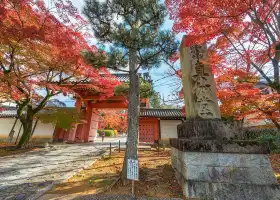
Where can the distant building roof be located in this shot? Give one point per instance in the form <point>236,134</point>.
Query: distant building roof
<point>122,77</point>
<point>11,111</point>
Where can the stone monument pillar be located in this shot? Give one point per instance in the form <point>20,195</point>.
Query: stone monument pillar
<point>210,161</point>
<point>198,83</point>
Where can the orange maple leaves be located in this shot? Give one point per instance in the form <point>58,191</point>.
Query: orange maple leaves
<point>243,32</point>
<point>115,119</point>
<point>242,37</point>
<point>243,95</point>
<point>40,47</point>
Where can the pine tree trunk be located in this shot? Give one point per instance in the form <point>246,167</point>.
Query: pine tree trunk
<point>27,124</point>
<point>133,114</point>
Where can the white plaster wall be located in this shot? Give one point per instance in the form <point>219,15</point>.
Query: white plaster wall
<point>44,131</point>
<point>168,128</point>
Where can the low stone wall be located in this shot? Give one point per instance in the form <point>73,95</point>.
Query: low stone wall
<point>225,176</point>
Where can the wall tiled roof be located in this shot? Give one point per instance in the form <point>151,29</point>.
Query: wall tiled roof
<point>162,113</point>
<point>7,112</point>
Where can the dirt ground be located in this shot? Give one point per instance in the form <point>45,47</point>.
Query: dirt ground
<point>157,178</point>
<point>10,149</point>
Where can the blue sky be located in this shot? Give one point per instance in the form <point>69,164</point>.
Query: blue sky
<point>163,86</point>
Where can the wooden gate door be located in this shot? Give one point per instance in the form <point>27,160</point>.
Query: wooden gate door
<point>147,130</point>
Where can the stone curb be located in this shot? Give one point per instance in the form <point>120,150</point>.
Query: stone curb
<point>125,197</point>
<point>67,176</point>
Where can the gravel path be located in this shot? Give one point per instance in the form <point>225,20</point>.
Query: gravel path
<point>25,176</point>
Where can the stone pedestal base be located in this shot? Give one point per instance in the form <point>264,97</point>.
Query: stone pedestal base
<point>195,128</point>
<point>225,176</point>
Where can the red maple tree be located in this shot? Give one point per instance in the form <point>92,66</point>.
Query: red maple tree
<point>41,49</point>
<point>243,96</point>
<point>113,119</point>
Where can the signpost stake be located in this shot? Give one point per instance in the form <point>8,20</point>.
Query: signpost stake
<point>119,146</point>
<point>132,191</point>
<point>110,149</point>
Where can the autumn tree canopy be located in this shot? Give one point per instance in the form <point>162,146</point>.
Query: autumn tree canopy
<point>40,49</point>
<point>244,96</point>
<point>113,119</point>
<point>241,35</point>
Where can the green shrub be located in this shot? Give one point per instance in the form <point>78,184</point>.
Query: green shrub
<point>108,133</point>
<point>254,133</point>
<point>270,136</point>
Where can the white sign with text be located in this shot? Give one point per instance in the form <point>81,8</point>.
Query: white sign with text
<point>132,169</point>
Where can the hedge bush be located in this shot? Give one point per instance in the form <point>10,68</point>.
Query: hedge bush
<point>108,133</point>
<point>271,136</point>
<point>254,133</point>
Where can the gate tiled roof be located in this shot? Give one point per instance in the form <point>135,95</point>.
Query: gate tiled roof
<point>81,85</point>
